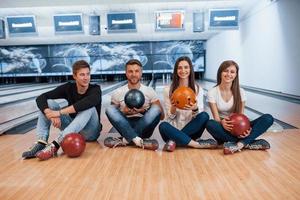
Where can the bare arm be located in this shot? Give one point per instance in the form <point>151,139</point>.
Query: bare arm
<point>214,110</point>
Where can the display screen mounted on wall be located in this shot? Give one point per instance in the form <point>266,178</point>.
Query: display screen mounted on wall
<point>2,29</point>
<point>223,19</point>
<point>198,22</point>
<point>121,22</point>
<point>68,23</point>
<point>21,25</point>
<point>169,20</point>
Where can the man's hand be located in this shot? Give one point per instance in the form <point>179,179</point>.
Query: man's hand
<point>56,122</point>
<point>52,114</point>
<point>129,111</point>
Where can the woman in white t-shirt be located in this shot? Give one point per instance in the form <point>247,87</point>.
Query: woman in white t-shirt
<point>225,98</point>
<point>185,126</point>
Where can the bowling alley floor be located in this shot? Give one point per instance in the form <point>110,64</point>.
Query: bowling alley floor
<point>133,173</point>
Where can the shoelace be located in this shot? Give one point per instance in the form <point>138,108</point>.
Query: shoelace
<point>48,147</point>
<point>233,149</point>
<point>255,146</point>
<point>118,141</point>
<point>142,144</point>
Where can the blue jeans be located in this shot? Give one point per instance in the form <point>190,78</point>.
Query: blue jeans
<point>131,127</point>
<point>259,126</point>
<point>193,130</point>
<point>86,123</point>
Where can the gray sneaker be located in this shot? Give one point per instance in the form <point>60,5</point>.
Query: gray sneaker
<point>113,142</point>
<point>36,147</point>
<point>208,143</point>
<point>230,148</point>
<point>260,144</point>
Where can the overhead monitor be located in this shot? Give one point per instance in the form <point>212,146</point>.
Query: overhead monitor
<point>21,25</point>
<point>2,29</point>
<point>169,20</point>
<point>121,22</point>
<point>223,19</point>
<point>94,26</point>
<point>68,23</point>
<point>198,22</point>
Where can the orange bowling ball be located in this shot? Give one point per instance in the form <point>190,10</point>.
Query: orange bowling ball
<point>183,96</point>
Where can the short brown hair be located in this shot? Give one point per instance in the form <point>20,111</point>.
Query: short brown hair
<point>80,64</point>
<point>133,62</point>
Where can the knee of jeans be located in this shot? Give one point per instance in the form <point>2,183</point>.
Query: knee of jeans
<point>154,111</point>
<point>110,109</point>
<point>203,116</point>
<point>210,124</point>
<point>155,108</point>
<point>89,111</point>
<point>53,105</point>
<point>268,118</point>
<point>162,126</point>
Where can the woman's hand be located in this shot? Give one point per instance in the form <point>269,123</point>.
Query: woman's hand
<point>191,106</point>
<point>246,133</point>
<point>227,124</point>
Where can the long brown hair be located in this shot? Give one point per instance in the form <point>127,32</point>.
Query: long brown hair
<point>235,87</point>
<point>175,77</point>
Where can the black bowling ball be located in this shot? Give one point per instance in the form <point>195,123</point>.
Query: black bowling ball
<point>134,98</point>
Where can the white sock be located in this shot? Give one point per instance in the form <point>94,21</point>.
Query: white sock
<point>137,141</point>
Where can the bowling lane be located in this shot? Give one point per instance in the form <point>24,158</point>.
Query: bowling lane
<point>11,113</point>
<point>30,88</point>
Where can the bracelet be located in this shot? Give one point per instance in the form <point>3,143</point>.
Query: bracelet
<point>196,110</point>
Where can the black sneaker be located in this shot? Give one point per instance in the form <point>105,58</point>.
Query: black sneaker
<point>260,144</point>
<point>36,147</point>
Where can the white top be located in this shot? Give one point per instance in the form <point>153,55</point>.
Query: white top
<point>214,96</point>
<point>181,117</point>
<point>117,97</point>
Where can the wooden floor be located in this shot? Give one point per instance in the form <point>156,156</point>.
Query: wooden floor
<point>132,173</point>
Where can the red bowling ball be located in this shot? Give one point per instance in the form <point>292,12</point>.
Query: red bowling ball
<point>73,144</point>
<point>240,123</point>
